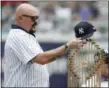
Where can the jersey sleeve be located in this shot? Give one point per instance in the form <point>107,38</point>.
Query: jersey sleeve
<point>27,48</point>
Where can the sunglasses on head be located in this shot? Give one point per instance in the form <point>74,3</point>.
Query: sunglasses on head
<point>33,18</point>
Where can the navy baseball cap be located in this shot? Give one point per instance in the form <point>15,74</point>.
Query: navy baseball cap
<point>107,57</point>
<point>84,30</point>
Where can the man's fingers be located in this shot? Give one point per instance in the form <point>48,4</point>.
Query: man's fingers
<point>80,45</point>
<point>79,41</point>
<point>82,41</point>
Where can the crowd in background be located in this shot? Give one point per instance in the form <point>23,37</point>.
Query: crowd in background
<point>54,15</point>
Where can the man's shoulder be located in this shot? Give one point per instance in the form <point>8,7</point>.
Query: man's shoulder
<point>17,33</point>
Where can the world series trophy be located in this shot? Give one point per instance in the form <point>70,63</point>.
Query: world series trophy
<point>84,63</point>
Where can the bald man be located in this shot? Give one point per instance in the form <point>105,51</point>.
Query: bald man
<point>25,61</point>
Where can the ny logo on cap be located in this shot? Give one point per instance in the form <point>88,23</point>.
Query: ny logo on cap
<point>81,30</point>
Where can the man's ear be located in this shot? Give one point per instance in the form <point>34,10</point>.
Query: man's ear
<point>20,18</point>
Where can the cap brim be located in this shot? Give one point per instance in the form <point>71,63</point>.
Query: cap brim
<point>87,36</point>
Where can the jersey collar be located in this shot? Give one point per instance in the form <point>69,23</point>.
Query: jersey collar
<point>14,26</point>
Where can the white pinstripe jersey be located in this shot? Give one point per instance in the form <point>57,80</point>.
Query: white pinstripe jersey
<point>19,71</point>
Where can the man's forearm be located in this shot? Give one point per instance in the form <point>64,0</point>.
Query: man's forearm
<point>55,52</point>
<point>49,56</point>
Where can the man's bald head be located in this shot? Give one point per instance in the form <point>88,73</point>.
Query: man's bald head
<point>26,17</point>
<point>26,9</point>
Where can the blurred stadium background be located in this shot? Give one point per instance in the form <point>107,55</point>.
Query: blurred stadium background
<point>56,22</point>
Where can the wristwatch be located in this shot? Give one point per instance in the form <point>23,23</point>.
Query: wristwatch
<point>66,47</point>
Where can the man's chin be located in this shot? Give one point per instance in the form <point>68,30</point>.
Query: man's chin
<point>34,30</point>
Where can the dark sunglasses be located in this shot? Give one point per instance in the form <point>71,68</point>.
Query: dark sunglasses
<point>33,18</point>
